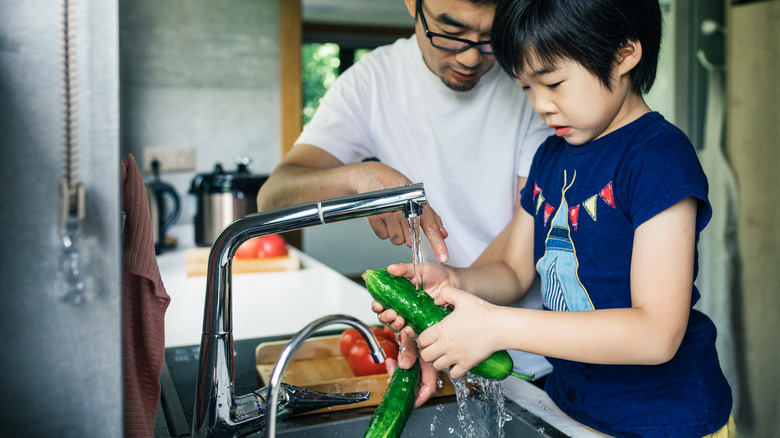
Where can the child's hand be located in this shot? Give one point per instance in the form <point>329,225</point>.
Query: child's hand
<point>462,339</point>
<point>435,277</point>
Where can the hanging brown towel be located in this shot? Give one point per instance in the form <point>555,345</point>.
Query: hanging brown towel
<point>144,301</point>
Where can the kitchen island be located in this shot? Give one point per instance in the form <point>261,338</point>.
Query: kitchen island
<point>275,305</point>
<point>264,303</point>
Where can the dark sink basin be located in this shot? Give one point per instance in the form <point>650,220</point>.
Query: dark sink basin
<point>438,418</point>
<point>432,420</point>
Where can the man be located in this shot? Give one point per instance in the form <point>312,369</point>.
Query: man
<point>452,120</point>
<point>435,109</point>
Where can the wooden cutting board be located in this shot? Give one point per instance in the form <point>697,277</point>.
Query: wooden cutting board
<point>196,260</point>
<point>319,365</point>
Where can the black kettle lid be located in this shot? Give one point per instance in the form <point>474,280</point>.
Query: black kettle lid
<point>221,181</point>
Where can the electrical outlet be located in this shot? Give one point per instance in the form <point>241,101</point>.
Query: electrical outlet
<point>171,158</point>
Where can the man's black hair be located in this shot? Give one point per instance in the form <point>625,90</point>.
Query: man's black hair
<point>590,32</point>
<point>474,2</point>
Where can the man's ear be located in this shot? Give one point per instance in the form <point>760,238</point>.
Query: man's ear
<point>411,5</point>
<point>628,57</point>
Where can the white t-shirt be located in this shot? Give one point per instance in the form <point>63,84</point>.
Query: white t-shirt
<point>466,147</point>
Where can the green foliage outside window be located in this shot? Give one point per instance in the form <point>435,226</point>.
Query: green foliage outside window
<point>320,68</point>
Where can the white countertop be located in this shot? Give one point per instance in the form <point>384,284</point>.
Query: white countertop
<point>537,402</point>
<point>264,304</point>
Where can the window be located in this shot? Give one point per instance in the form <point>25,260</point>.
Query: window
<point>329,50</point>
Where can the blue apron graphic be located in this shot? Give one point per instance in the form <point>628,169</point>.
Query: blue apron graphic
<point>561,287</point>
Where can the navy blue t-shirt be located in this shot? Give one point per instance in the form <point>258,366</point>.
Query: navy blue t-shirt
<point>587,200</point>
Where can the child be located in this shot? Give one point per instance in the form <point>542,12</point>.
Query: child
<point>612,211</point>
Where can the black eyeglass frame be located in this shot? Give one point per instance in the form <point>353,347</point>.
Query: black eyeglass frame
<point>469,44</point>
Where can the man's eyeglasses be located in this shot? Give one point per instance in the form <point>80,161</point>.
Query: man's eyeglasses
<point>452,44</point>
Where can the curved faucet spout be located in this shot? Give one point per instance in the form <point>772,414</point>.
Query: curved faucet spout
<point>215,401</point>
<point>275,381</point>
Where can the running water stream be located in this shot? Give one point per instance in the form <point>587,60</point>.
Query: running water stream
<point>481,409</point>
<point>414,231</point>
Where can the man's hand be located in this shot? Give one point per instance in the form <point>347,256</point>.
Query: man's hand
<point>429,379</point>
<point>395,227</point>
<point>308,173</point>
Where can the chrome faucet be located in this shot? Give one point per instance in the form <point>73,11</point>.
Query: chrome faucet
<point>217,410</point>
<point>275,382</point>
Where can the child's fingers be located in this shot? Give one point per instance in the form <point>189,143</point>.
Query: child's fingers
<point>457,371</point>
<point>447,296</point>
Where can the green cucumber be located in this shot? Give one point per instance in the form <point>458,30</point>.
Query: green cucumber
<point>419,311</point>
<point>389,418</point>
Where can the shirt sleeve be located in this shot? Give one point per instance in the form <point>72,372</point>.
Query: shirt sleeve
<point>528,194</point>
<point>536,131</point>
<point>662,173</point>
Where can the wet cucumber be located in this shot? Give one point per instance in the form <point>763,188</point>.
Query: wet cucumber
<point>390,416</point>
<point>419,311</point>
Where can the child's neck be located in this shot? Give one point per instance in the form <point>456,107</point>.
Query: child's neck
<point>633,107</point>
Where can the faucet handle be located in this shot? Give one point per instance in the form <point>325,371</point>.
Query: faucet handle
<point>293,400</point>
<point>297,400</point>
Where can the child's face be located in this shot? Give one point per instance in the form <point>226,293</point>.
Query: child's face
<point>573,101</point>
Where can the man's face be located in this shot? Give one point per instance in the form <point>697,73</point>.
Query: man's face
<point>460,19</point>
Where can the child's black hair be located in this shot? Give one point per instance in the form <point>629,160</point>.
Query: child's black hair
<point>590,32</point>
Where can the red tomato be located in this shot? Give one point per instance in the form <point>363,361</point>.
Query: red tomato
<point>248,249</point>
<point>347,340</point>
<point>362,363</point>
<point>272,245</point>
<point>383,332</point>
<point>390,347</point>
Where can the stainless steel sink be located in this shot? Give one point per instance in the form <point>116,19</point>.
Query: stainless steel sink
<point>438,418</point>
<point>432,420</point>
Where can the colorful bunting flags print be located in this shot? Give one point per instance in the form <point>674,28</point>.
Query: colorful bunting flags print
<point>590,205</point>
<point>548,211</point>
<point>607,196</point>
<point>539,202</point>
<point>574,214</point>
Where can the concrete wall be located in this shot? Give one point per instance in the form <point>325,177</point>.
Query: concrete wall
<point>753,113</point>
<point>203,74</point>
<point>61,362</point>
<point>206,74</point>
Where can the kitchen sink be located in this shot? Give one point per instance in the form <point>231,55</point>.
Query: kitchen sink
<point>438,418</point>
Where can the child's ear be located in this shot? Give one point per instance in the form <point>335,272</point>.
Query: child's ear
<point>628,57</point>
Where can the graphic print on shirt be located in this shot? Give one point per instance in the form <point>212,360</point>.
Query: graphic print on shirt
<point>561,286</point>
